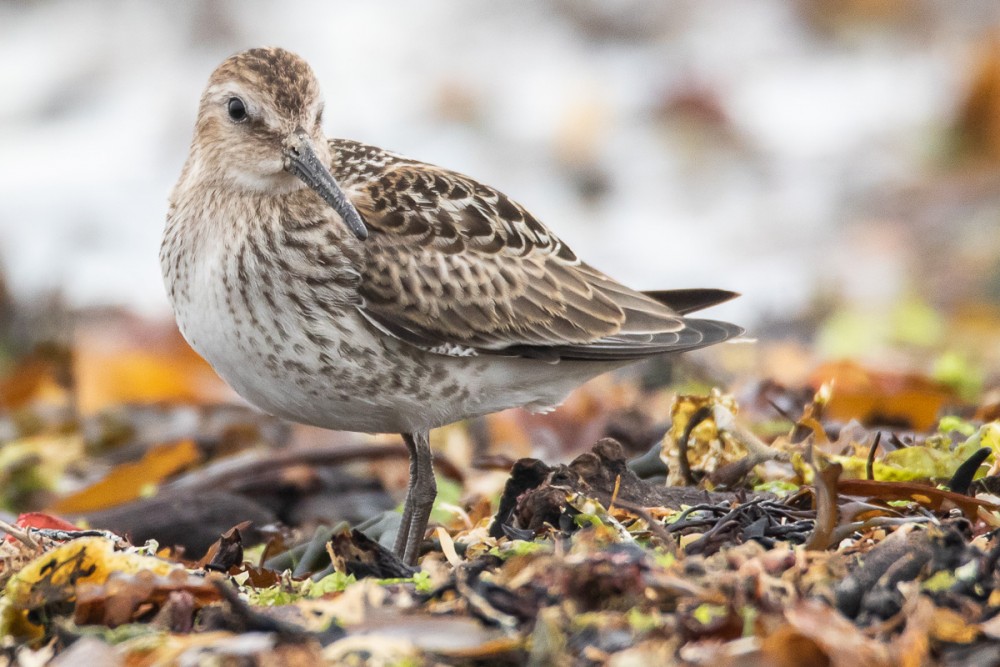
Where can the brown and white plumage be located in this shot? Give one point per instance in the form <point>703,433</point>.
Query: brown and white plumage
<point>454,265</point>
<point>340,285</point>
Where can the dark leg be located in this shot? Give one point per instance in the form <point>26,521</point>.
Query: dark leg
<point>399,548</point>
<point>423,493</point>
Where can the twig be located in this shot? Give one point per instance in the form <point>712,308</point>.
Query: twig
<point>22,535</point>
<point>252,619</point>
<point>655,527</point>
<point>700,415</point>
<point>870,463</point>
<point>614,494</point>
<point>238,471</point>
<point>726,422</point>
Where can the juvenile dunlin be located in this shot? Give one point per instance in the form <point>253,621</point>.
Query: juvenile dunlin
<point>341,285</point>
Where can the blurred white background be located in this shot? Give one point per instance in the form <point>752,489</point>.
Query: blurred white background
<point>672,144</point>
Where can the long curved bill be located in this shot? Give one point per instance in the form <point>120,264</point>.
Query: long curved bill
<point>301,160</point>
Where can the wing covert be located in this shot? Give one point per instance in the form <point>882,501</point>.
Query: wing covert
<point>457,267</point>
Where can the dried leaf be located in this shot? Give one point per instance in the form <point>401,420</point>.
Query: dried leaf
<point>51,580</point>
<point>826,507</point>
<point>845,644</point>
<point>928,496</point>
<point>123,597</point>
<point>129,480</point>
<point>880,397</point>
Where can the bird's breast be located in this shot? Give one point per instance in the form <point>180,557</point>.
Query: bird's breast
<point>270,301</point>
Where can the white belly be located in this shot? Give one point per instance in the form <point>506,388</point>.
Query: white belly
<point>367,382</point>
<point>357,378</point>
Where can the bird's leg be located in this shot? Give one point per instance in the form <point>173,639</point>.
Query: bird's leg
<point>422,498</point>
<point>399,548</point>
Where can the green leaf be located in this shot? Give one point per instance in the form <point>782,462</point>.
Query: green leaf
<point>706,613</point>
<point>331,583</point>
<point>950,423</point>
<point>960,373</point>
<point>641,621</point>
<point>449,492</point>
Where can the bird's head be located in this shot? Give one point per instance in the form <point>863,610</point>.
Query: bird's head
<point>260,129</point>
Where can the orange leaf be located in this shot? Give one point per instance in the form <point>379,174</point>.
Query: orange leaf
<point>33,378</point>
<point>873,396</point>
<point>127,481</point>
<point>126,360</point>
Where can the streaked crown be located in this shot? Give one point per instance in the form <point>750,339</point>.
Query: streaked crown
<point>254,102</point>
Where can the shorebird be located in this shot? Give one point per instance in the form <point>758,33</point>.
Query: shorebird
<point>341,285</point>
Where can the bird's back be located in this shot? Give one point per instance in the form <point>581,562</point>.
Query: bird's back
<point>457,267</point>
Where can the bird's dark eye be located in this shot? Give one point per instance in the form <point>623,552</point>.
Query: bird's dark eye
<point>237,110</point>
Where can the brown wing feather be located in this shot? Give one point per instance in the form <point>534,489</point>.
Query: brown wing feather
<point>452,263</point>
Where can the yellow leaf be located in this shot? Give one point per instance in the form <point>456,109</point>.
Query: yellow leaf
<point>36,462</point>
<point>949,626</point>
<point>53,577</point>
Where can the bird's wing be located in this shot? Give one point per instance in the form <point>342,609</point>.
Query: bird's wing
<point>456,267</point>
